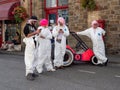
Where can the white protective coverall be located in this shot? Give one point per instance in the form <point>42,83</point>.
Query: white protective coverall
<point>29,54</point>
<point>96,35</point>
<point>44,50</point>
<point>60,48</point>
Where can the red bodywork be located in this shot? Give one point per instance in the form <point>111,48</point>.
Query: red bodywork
<point>85,56</point>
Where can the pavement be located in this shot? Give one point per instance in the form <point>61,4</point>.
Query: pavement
<point>113,59</point>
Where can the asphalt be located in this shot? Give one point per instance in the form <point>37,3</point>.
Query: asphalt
<point>81,76</point>
<point>113,59</point>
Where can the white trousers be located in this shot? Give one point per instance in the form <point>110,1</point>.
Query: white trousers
<point>29,57</point>
<point>44,58</point>
<point>59,54</point>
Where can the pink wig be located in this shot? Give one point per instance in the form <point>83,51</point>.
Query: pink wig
<point>94,22</point>
<point>43,22</point>
<point>61,20</point>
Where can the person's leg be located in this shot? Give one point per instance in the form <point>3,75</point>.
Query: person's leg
<point>29,59</point>
<point>48,64</point>
<point>58,56</point>
<point>40,62</point>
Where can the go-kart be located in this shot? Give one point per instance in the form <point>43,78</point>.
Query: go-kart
<point>82,53</point>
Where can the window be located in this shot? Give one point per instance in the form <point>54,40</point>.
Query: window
<point>62,2</point>
<point>63,13</point>
<point>12,31</point>
<point>51,3</point>
<point>55,9</point>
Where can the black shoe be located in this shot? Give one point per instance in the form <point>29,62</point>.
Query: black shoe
<point>30,77</point>
<point>106,63</point>
<point>35,75</point>
<point>61,67</point>
<point>100,65</point>
<point>56,67</point>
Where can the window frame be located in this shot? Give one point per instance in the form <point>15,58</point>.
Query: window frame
<point>57,7</point>
<point>53,10</point>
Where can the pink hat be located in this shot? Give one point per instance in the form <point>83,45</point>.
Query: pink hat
<point>43,22</point>
<point>61,19</point>
<point>94,22</point>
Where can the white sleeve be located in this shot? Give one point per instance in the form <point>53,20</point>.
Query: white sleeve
<point>66,31</point>
<point>40,28</point>
<point>49,35</point>
<point>103,32</point>
<point>85,32</point>
<point>55,32</point>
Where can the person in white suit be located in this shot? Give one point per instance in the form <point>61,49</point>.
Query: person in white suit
<point>30,32</point>
<point>60,32</point>
<point>44,48</point>
<point>96,34</point>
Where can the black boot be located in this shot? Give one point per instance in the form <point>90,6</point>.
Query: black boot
<point>30,77</point>
<point>35,75</point>
<point>106,63</point>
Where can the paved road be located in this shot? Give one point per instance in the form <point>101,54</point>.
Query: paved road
<point>80,76</point>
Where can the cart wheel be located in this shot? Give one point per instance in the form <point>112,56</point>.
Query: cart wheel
<point>68,58</point>
<point>94,60</point>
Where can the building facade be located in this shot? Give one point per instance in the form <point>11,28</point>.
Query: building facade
<point>8,26</point>
<point>108,10</point>
<point>78,18</point>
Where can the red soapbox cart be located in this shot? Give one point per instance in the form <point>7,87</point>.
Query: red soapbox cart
<point>86,55</point>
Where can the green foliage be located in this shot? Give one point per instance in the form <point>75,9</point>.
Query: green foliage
<point>19,14</point>
<point>88,4</point>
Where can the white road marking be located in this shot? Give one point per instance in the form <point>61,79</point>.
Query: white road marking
<point>91,72</point>
<point>118,76</point>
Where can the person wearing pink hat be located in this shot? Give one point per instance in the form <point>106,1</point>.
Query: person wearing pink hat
<point>44,48</point>
<point>60,32</point>
<point>96,34</point>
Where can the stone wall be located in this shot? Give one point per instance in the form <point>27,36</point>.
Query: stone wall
<point>77,16</point>
<point>77,21</point>
<point>80,19</point>
<point>108,10</point>
<point>38,8</point>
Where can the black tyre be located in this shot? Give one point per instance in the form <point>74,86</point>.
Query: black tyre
<point>68,58</point>
<point>94,60</point>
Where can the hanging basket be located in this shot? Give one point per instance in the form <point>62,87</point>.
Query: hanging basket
<point>20,14</point>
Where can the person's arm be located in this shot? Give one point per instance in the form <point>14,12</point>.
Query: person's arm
<point>27,32</point>
<point>55,32</point>
<point>32,34</point>
<point>49,35</point>
<point>66,31</point>
<point>40,31</point>
<point>103,32</point>
<point>85,32</point>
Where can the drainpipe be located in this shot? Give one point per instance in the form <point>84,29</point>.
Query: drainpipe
<point>30,7</point>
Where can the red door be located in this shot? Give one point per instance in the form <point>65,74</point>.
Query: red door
<point>0,34</point>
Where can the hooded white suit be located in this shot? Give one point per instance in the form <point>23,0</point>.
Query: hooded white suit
<point>44,50</point>
<point>60,47</point>
<point>30,49</point>
<point>96,35</point>
<point>29,54</point>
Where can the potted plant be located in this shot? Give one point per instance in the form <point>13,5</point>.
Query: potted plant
<point>20,14</point>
